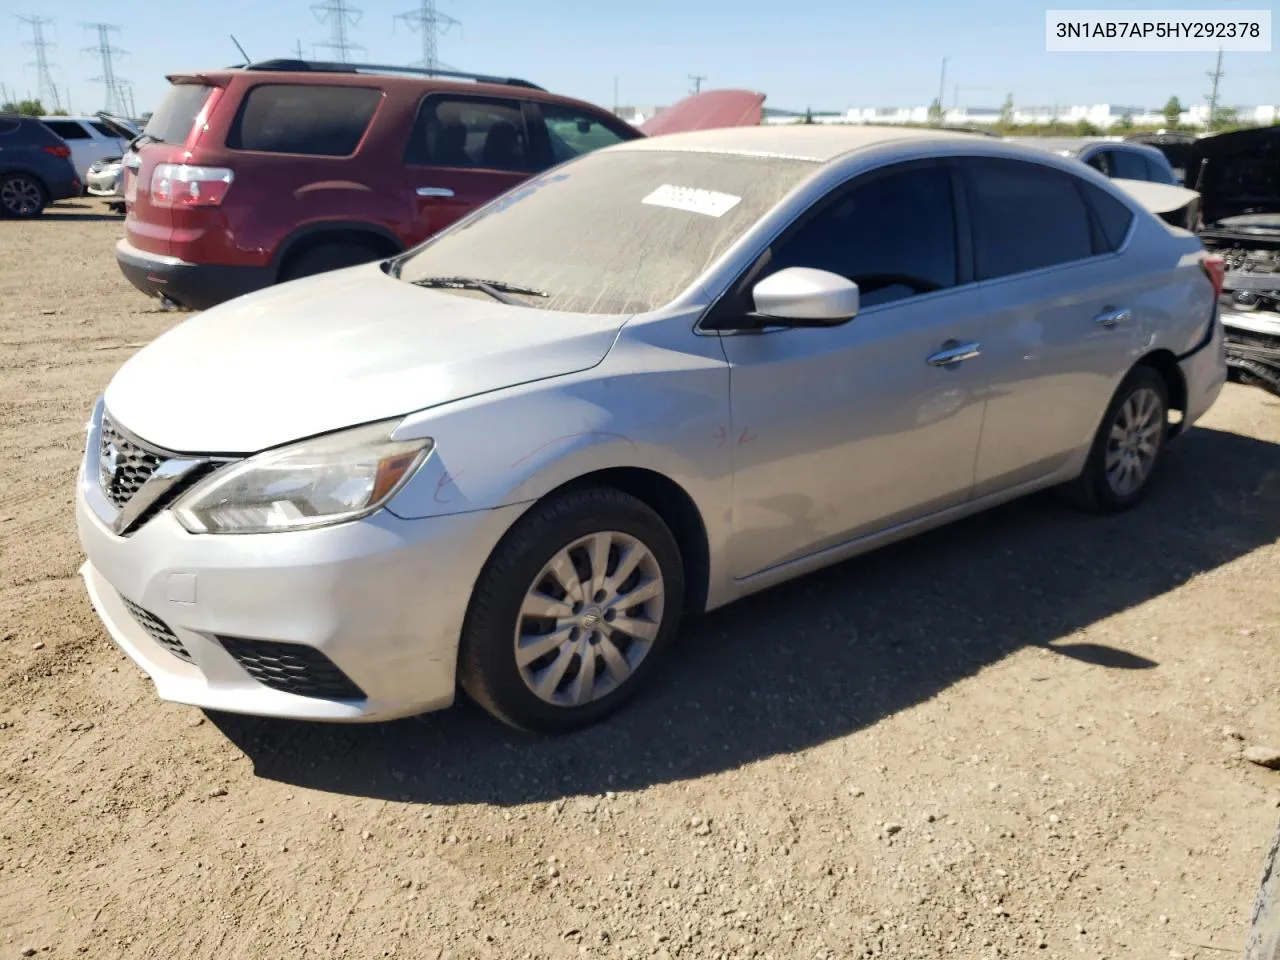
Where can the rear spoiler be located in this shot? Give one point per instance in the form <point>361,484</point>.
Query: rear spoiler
<point>1157,197</point>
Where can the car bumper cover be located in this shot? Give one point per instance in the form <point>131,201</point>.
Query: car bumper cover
<point>196,286</point>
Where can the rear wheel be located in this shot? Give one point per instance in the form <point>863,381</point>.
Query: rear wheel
<point>1127,448</point>
<point>572,611</point>
<point>21,196</point>
<point>326,257</point>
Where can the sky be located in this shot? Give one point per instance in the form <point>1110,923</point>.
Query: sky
<point>823,55</point>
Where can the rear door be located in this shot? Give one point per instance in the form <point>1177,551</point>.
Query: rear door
<point>463,151</point>
<point>1062,318</point>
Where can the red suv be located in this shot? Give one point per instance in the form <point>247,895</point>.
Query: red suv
<point>249,176</point>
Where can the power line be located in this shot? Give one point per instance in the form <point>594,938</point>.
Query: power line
<point>697,79</point>
<point>431,22</point>
<point>1215,76</point>
<point>116,100</point>
<point>339,15</point>
<point>44,76</point>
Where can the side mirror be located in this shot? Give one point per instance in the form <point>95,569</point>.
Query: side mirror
<point>805,297</point>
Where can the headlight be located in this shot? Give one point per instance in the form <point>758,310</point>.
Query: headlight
<point>330,479</point>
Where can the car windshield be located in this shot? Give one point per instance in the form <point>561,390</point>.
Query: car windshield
<point>614,232</point>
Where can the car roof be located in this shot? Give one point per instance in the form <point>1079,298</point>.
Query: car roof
<point>817,142</point>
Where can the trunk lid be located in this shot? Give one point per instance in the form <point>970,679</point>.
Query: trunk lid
<point>708,111</point>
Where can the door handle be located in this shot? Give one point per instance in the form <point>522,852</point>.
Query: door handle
<point>1109,318</point>
<point>434,192</point>
<point>953,352</point>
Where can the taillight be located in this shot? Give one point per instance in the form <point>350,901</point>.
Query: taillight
<point>60,150</point>
<point>182,185</point>
<point>1216,269</point>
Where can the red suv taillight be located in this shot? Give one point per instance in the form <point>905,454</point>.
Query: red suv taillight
<point>59,150</point>
<point>1216,269</point>
<point>182,185</point>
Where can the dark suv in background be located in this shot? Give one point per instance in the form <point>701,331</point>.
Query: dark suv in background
<point>248,176</point>
<point>35,167</point>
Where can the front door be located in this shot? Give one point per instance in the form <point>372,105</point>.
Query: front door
<point>463,152</point>
<point>845,431</point>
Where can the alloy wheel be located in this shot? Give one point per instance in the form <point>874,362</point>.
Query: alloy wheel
<point>20,197</point>
<point>589,618</point>
<point>1134,441</point>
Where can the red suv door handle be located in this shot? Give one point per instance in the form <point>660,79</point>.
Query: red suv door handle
<point>434,192</point>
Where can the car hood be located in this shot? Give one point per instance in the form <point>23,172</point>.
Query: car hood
<point>1236,173</point>
<point>337,350</point>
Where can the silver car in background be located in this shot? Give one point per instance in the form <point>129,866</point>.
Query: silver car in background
<point>651,381</point>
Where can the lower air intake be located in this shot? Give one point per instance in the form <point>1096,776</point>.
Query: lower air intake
<point>292,668</point>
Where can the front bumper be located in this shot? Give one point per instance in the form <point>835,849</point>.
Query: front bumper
<point>103,185</point>
<point>1253,346</point>
<point>381,600</point>
<point>196,286</point>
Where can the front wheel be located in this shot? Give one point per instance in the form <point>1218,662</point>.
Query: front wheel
<point>572,611</point>
<point>1127,448</point>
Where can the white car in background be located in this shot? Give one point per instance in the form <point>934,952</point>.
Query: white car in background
<point>92,139</point>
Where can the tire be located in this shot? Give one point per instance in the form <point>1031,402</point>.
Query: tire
<point>1142,398</point>
<point>563,529</point>
<point>1264,930</point>
<point>22,196</point>
<point>326,257</point>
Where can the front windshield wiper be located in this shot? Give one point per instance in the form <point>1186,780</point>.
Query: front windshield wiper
<point>494,288</point>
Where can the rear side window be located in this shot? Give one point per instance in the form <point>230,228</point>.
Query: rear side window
<point>1159,172</point>
<point>1101,161</point>
<point>484,133</point>
<point>1112,217</point>
<point>1025,217</point>
<point>103,129</point>
<point>312,120</point>
<point>68,129</point>
<point>1128,165</point>
<point>573,132</point>
<point>173,119</point>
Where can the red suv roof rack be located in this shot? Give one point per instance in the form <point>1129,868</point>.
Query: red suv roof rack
<point>320,66</point>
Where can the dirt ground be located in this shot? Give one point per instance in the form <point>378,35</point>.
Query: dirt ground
<point>1018,737</point>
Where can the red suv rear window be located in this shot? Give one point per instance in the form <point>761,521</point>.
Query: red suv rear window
<point>172,121</point>
<point>306,119</point>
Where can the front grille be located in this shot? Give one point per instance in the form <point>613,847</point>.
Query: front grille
<point>292,668</point>
<point>158,630</point>
<point>124,466</point>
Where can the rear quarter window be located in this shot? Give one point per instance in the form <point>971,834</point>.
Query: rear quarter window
<point>68,129</point>
<point>173,119</point>
<point>325,121</point>
<point>1111,216</point>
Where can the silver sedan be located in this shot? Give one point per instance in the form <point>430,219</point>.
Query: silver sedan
<point>648,382</point>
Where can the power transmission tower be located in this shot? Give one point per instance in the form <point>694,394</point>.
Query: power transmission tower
<point>1215,76</point>
<point>116,101</point>
<point>697,81</point>
<point>431,22</point>
<point>339,15</point>
<point>44,77</point>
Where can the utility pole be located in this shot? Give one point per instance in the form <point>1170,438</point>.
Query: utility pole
<point>115,98</point>
<point>942,81</point>
<point>44,77</point>
<point>697,81</point>
<point>298,48</point>
<point>615,95</point>
<point>339,15</point>
<point>431,22</point>
<point>1215,76</point>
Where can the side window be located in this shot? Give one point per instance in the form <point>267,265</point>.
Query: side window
<point>574,132</point>
<point>1158,172</point>
<point>312,120</point>
<point>1112,217</point>
<point>894,235</point>
<point>68,129</point>
<point>1130,165</point>
<point>1101,161</point>
<point>1025,217</point>
<point>475,132</point>
<point>103,129</point>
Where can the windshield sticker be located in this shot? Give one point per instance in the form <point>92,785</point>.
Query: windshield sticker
<point>691,199</point>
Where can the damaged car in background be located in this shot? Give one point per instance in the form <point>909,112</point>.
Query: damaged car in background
<point>1238,178</point>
